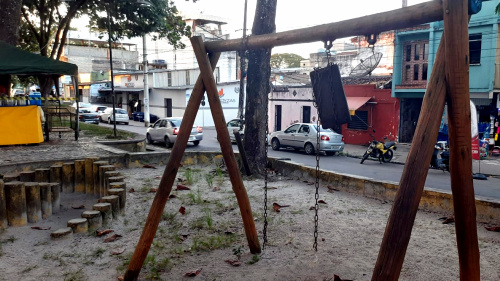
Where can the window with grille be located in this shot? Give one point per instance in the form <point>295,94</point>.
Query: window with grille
<point>359,121</point>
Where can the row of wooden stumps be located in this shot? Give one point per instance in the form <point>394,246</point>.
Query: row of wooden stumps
<point>30,196</point>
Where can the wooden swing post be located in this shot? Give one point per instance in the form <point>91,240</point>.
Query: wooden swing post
<point>400,223</point>
<point>459,124</point>
<point>225,144</point>
<point>168,178</point>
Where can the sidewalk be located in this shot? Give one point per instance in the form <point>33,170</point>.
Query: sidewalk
<point>489,166</point>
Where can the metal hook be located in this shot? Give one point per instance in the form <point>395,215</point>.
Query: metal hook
<point>328,46</point>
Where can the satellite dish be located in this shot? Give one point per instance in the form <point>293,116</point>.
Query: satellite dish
<point>366,66</point>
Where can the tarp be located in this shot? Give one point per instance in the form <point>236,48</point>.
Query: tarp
<point>20,125</point>
<point>356,102</point>
<point>15,61</point>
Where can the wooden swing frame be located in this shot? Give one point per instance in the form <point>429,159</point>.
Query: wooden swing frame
<point>449,81</point>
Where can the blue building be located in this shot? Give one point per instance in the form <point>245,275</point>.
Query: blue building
<point>414,56</point>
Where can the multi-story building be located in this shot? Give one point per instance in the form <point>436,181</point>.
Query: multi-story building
<point>415,51</point>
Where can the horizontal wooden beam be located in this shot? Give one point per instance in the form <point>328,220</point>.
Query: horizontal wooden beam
<point>367,25</point>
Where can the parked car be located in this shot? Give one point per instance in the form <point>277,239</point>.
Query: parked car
<point>304,136</point>
<point>121,116</point>
<point>166,130</point>
<point>86,116</point>
<point>235,124</point>
<point>99,109</point>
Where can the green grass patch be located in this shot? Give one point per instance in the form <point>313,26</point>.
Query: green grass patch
<point>105,132</point>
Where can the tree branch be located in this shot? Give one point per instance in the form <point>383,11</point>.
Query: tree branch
<point>30,24</point>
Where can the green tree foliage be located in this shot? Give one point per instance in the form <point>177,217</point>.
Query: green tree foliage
<point>285,60</point>
<point>45,23</point>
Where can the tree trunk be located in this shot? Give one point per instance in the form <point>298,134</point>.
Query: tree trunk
<point>258,87</point>
<point>10,18</point>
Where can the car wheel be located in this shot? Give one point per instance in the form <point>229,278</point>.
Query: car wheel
<point>275,144</point>
<point>100,119</point>
<point>309,148</point>
<point>167,142</point>
<point>126,123</point>
<point>387,157</point>
<point>196,142</point>
<point>330,153</point>
<point>148,139</point>
<point>109,121</point>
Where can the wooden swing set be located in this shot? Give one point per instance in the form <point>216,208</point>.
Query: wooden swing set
<point>449,82</point>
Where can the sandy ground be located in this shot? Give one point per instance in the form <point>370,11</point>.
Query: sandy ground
<point>350,232</point>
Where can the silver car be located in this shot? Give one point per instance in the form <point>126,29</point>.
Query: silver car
<point>166,130</point>
<point>121,116</point>
<point>235,124</point>
<point>303,136</point>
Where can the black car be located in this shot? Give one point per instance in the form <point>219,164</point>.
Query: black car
<point>86,116</point>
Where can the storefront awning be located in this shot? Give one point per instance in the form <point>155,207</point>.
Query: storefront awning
<point>118,89</point>
<point>356,102</point>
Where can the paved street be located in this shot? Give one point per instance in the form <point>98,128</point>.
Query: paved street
<point>350,165</point>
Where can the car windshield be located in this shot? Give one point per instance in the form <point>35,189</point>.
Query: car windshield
<point>121,111</point>
<point>322,129</point>
<point>176,122</point>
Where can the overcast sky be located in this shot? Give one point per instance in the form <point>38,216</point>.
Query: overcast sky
<point>293,14</point>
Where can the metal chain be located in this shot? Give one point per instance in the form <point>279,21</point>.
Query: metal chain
<point>266,171</point>
<point>316,194</point>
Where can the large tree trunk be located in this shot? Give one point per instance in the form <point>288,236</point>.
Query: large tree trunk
<point>10,18</point>
<point>258,87</point>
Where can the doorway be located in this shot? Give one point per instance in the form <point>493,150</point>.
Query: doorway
<point>306,114</point>
<point>410,110</point>
<point>277,118</point>
<point>168,107</point>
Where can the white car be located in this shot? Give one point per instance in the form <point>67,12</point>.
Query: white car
<point>166,130</point>
<point>121,116</point>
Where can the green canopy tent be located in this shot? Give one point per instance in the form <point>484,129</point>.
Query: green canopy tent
<point>14,61</point>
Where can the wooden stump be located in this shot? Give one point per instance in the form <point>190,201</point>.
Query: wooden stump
<point>68,177</point>
<point>106,212</point>
<point>80,176</point>
<point>10,178</point>
<point>33,203</point>
<point>56,173</point>
<point>42,175</point>
<point>79,225</point>
<point>120,192</point>
<point>110,174</point>
<point>66,232</point>
<point>46,199</point>
<point>115,204</point>
<point>95,175</point>
<point>102,170</point>
<point>55,189</point>
<point>15,196</point>
<point>3,207</point>
<point>89,180</point>
<point>114,179</point>
<point>27,176</point>
<point>94,219</point>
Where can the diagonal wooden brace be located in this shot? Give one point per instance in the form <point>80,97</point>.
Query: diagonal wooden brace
<point>168,178</point>
<point>225,144</point>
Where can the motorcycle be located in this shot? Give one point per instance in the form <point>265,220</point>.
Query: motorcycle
<point>381,150</point>
<point>440,157</point>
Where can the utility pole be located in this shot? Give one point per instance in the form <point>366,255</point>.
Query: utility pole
<point>146,86</point>
<point>405,3</point>
<point>242,68</point>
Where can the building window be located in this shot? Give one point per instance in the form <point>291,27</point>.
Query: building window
<point>169,79</point>
<point>359,121</point>
<point>408,52</point>
<point>416,54</point>
<point>415,72</point>
<point>475,48</point>
<point>188,80</point>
